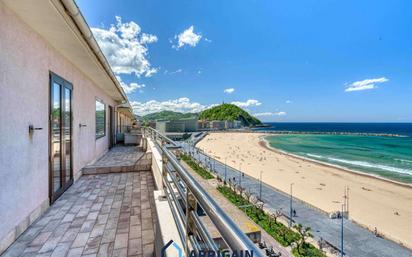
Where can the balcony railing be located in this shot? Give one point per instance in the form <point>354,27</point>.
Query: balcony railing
<point>184,195</point>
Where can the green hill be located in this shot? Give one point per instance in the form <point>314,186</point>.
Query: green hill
<point>168,115</point>
<point>229,112</point>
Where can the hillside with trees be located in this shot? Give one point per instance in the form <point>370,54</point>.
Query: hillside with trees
<point>169,115</point>
<point>229,112</point>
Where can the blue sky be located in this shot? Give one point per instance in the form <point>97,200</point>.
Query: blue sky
<point>285,60</point>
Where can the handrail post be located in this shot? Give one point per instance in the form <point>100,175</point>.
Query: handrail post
<point>164,171</point>
<point>190,206</point>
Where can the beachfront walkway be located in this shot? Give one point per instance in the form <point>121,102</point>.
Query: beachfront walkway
<point>100,215</point>
<point>238,216</point>
<point>357,240</point>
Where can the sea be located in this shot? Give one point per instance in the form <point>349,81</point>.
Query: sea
<point>370,148</point>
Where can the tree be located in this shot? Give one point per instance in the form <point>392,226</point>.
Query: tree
<point>248,195</point>
<point>304,233</point>
<point>275,216</point>
<point>283,231</point>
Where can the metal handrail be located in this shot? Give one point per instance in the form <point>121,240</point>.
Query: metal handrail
<point>234,237</point>
<point>157,133</point>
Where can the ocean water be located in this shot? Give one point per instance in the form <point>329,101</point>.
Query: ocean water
<point>387,157</point>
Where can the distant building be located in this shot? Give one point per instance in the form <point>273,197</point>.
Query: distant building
<point>236,124</point>
<point>219,124</point>
<point>177,126</point>
<point>152,124</point>
<point>203,124</point>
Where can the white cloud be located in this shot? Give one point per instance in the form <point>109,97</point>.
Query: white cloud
<point>178,105</point>
<point>130,88</point>
<point>229,90</point>
<point>125,47</point>
<point>187,37</point>
<point>148,38</point>
<point>173,72</point>
<point>365,84</point>
<point>248,103</point>
<point>280,113</point>
<point>288,101</point>
<point>263,114</point>
<point>208,40</point>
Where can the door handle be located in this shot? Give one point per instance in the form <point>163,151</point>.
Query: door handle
<point>32,129</point>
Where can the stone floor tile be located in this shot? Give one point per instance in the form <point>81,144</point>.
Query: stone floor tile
<point>135,232</point>
<point>147,236</point>
<point>70,235</point>
<point>97,230</point>
<point>69,217</point>
<point>43,254</point>
<point>92,215</point>
<point>61,250</point>
<point>148,250</point>
<point>102,218</point>
<point>41,238</point>
<point>120,252</point>
<point>92,245</point>
<point>105,250</point>
<point>81,240</point>
<point>75,252</point>
<point>87,226</point>
<point>121,241</point>
<point>109,235</point>
<point>111,223</point>
<point>50,244</point>
<point>51,226</point>
<point>61,229</point>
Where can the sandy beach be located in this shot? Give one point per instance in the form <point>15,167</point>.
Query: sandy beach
<point>373,202</point>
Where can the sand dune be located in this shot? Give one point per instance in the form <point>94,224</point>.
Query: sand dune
<point>372,202</point>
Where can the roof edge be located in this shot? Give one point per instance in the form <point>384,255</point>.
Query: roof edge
<point>77,17</point>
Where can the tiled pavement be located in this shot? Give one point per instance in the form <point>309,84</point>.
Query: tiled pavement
<point>120,156</point>
<point>100,215</point>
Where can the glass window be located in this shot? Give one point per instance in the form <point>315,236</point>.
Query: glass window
<point>100,119</point>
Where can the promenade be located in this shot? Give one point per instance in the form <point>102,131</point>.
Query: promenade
<point>358,241</point>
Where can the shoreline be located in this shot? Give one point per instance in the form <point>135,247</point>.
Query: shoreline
<point>291,132</point>
<point>374,201</point>
<point>265,144</point>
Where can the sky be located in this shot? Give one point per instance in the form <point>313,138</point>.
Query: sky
<point>300,61</point>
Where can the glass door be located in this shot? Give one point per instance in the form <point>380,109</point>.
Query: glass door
<point>61,171</point>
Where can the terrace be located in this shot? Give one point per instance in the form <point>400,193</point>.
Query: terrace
<point>100,215</point>
<point>131,202</point>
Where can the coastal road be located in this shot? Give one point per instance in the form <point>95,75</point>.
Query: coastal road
<point>358,241</point>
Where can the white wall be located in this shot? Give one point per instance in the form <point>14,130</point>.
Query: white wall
<point>25,62</point>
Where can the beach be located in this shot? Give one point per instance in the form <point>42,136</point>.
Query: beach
<point>373,202</point>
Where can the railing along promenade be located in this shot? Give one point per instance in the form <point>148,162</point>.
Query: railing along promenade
<point>184,194</point>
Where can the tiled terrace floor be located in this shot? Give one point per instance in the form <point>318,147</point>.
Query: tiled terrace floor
<point>100,215</point>
<point>120,156</point>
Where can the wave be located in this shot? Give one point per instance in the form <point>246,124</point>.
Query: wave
<point>371,165</point>
<point>402,160</point>
<point>315,156</point>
